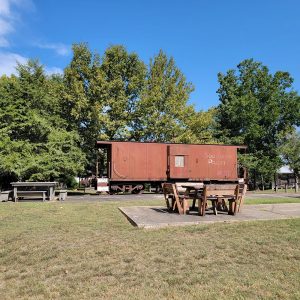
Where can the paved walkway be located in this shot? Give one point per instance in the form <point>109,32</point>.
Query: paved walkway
<point>129,197</point>
<point>157,217</point>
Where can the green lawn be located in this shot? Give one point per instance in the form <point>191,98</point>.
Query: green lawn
<point>272,200</point>
<point>271,191</point>
<point>90,250</point>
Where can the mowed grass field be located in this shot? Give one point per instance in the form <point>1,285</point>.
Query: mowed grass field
<point>90,250</point>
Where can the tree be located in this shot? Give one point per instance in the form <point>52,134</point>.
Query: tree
<point>124,75</point>
<point>257,109</point>
<point>100,95</point>
<point>291,155</point>
<point>80,108</point>
<point>162,110</point>
<point>202,126</point>
<point>34,142</point>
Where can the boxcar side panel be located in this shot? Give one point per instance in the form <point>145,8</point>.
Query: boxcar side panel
<point>149,162</point>
<point>156,162</point>
<point>209,162</point>
<point>179,156</point>
<point>120,161</point>
<point>138,161</point>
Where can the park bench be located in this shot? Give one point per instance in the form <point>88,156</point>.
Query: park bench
<point>31,194</point>
<point>5,195</point>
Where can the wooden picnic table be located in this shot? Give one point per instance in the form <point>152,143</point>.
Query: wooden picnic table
<point>217,194</point>
<point>32,189</point>
<point>195,189</point>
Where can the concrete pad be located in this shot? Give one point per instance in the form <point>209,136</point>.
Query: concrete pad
<point>158,216</point>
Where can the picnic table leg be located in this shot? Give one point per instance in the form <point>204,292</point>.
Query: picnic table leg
<point>15,194</point>
<point>167,202</point>
<point>185,206</point>
<point>231,207</point>
<point>51,193</point>
<point>185,203</point>
<point>214,206</point>
<point>202,206</point>
<point>194,203</point>
<point>235,205</point>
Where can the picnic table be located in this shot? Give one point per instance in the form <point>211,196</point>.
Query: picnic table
<point>33,190</point>
<point>218,194</point>
<point>195,189</point>
<point>179,194</point>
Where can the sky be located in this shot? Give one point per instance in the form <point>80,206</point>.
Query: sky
<point>204,37</point>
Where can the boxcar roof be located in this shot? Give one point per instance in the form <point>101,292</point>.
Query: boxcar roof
<point>110,142</point>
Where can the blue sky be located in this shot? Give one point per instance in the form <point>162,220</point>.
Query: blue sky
<point>204,37</point>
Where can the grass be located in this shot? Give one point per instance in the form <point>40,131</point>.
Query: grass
<point>271,191</point>
<point>271,200</point>
<point>89,250</point>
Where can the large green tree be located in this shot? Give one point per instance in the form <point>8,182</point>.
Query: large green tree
<point>257,108</point>
<point>201,127</point>
<point>34,141</point>
<point>124,75</point>
<point>162,112</point>
<point>100,94</point>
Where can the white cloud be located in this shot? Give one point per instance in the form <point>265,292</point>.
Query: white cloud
<point>59,48</point>
<point>10,11</point>
<point>4,7</point>
<point>9,17</point>
<point>8,62</point>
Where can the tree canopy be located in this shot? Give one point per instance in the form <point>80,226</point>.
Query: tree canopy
<point>34,141</point>
<point>257,109</point>
<point>49,124</point>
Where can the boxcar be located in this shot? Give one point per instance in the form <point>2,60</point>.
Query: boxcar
<point>128,166</point>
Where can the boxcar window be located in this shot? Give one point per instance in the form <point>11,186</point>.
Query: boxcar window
<point>179,161</point>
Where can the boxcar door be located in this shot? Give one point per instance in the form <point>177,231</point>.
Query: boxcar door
<point>178,161</point>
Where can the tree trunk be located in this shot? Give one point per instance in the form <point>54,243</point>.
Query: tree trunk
<point>262,183</point>
<point>296,182</point>
<point>275,182</point>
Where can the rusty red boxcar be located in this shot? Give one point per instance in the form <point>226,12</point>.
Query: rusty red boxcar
<point>128,166</point>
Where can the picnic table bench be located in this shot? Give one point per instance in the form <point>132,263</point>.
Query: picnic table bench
<point>31,194</point>
<point>5,195</point>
